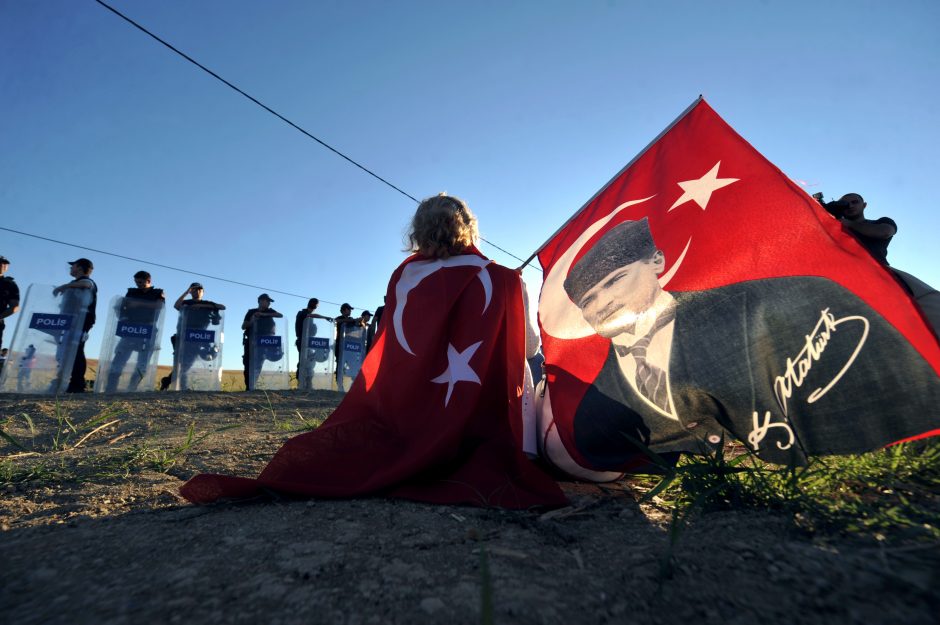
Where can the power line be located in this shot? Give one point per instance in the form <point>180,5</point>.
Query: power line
<point>275,113</point>
<point>253,99</point>
<point>507,252</point>
<point>153,264</point>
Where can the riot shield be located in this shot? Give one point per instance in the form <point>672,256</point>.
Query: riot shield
<point>131,346</point>
<point>197,365</point>
<point>268,366</point>
<point>48,332</point>
<point>351,353</point>
<point>316,355</point>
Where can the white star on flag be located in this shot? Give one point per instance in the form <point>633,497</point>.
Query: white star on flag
<point>458,368</point>
<point>700,191</point>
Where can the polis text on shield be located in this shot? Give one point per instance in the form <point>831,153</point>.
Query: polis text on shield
<point>134,330</point>
<point>200,336</point>
<point>49,321</point>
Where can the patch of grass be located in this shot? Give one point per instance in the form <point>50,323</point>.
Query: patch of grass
<point>162,459</point>
<point>57,459</point>
<point>43,471</point>
<point>66,431</point>
<point>893,491</point>
<point>65,434</point>
<point>302,424</point>
<point>64,427</point>
<point>267,398</point>
<point>233,380</point>
<point>10,439</point>
<point>29,424</point>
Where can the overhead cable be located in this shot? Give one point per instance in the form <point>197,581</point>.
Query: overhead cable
<point>275,113</point>
<point>153,264</point>
<point>253,99</point>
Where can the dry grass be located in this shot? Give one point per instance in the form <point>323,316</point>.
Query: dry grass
<point>233,380</point>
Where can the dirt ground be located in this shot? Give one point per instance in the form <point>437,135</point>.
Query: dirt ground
<point>99,534</point>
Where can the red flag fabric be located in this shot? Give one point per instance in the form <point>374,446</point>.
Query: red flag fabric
<point>764,321</point>
<point>436,412</point>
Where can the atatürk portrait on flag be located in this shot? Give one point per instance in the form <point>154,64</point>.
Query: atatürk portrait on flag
<point>701,296</point>
<point>786,365</point>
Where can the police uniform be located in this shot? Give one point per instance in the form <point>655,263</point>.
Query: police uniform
<point>9,293</point>
<point>77,381</point>
<point>264,326</point>
<point>143,315</point>
<point>200,315</point>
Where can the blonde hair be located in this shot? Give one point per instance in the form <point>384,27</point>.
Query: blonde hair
<point>443,226</point>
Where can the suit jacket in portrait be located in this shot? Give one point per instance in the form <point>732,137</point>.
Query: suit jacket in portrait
<point>792,366</point>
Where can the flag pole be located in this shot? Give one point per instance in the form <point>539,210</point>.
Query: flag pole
<point>617,175</point>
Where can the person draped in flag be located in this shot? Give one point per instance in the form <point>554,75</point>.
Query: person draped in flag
<point>436,412</point>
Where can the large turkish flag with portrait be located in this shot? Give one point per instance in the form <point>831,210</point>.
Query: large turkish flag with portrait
<point>702,296</point>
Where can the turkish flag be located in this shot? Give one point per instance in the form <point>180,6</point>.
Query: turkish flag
<point>435,413</point>
<point>786,334</point>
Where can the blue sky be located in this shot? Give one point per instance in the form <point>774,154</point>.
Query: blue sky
<point>524,109</point>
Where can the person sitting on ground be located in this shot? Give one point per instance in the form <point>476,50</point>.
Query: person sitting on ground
<point>435,413</point>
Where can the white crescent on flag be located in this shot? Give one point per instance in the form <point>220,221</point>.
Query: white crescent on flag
<point>415,272</point>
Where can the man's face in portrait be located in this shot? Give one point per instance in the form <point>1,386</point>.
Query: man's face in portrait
<point>613,305</point>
